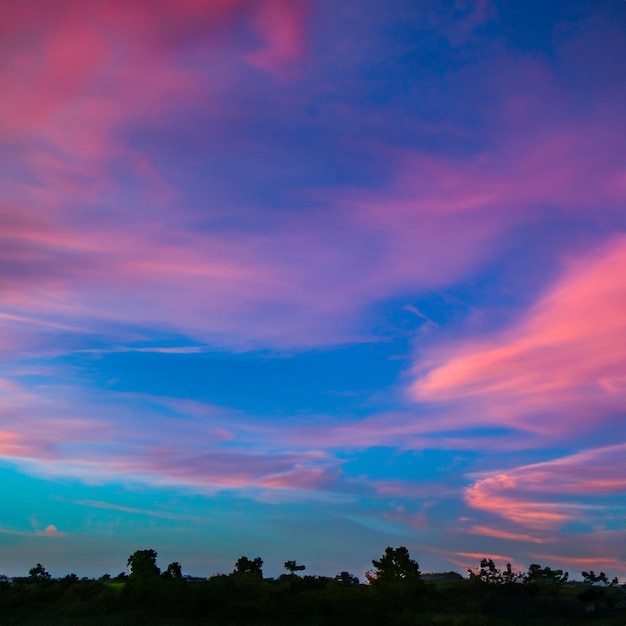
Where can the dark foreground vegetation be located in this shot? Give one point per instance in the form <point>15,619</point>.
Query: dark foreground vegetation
<point>396,593</point>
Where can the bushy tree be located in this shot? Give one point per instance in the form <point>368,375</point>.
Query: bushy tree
<point>142,564</point>
<point>395,565</point>
<point>39,574</point>
<point>592,578</point>
<point>491,575</point>
<point>173,571</point>
<point>249,567</point>
<point>70,578</point>
<point>596,590</point>
<point>509,576</point>
<point>545,578</point>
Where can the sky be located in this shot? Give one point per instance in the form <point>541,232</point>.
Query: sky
<point>303,279</point>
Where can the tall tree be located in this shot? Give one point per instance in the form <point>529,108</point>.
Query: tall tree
<point>142,564</point>
<point>395,565</point>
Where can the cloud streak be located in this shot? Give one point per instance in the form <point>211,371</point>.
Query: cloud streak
<point>566,358</point>
<point>550,494</point>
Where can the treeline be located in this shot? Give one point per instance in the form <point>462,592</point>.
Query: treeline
<point>395,592</point>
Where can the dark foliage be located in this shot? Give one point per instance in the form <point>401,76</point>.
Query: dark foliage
<point>249,567</point>
<point>394,566</point>
<point>292,567</point>
<point>398,594</point>
<point>142,564</point>
<point>38,574</point>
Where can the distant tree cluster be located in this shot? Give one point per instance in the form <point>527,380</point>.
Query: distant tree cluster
<point>395,591</point>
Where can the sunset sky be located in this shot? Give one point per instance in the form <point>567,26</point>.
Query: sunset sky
<point>305,279</point>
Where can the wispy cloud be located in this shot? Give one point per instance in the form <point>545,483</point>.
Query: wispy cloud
<point>98,504</point>
<point>505,534</point>
<point>550,494</point>
<point>565,358</point>
<point>596,562</point>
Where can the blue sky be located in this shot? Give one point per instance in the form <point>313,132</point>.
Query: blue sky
<point>297,280</point>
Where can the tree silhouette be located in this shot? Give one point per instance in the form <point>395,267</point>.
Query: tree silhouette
<point>592,578</point>
<point>509,576</point>
<point>398,593</point>
<point>142,564</point>
<point>395,565</point>
<point>346,579</point>
<point>39,574</point>
<point>292,566</point>
<point>491,575</point>
<point>488,573</point>
<point>250,567</point>
<point>174,571</point>
<point>545,578</point>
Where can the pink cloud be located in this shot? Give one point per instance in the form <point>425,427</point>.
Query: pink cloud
<point>51,531</point>
<point>599,562</point>
<point>566,357</point>
<point>230,469</point>
<point>14,445</point>
<point>415,429</point>
<point>420,234</point>
<point>487,495</point>
<point>505,534</point>
<point>562,320</point>
<point>544,496</point>
<point>62,431</point>
<point>69,54</point>
<point>75,81</point>
<point>316,479</point>
<point>306,280</point>
<point>65,431</point>
<point>411,489</point>
<point>471,560</point>
<point>592,551</point>
<point>280,25</point>
<point>207,284</point>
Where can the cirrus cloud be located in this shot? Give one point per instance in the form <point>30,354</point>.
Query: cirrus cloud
<point>565,359</point>
<point>550,494</point>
